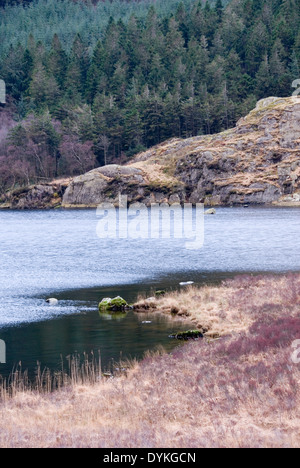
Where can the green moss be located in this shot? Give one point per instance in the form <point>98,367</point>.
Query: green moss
<point>118,303</point>
<point>105,303</point>
<point>160,293</point>
<point>115,305</point>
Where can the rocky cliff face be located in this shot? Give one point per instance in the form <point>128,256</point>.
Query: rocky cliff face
<point>257,162</point>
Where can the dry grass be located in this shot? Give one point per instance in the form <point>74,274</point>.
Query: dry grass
<point>239,391</point>
<point>229,309</point>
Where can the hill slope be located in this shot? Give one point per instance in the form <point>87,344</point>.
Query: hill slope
<point>256,162</point>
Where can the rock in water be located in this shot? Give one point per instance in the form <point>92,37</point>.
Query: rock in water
<point>116,304</point>
<point>211,211</point>
<point>188,335</point>
<point>52,301</point>
<point>105,303</point>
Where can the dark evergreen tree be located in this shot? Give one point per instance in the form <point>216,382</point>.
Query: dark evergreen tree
<point>152,71</point>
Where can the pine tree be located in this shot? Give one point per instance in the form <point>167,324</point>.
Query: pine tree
<point>96,80</point>
<point>43,89</point>
<point>57,62</point>
<point>263,78</point>
<point>219,10</point>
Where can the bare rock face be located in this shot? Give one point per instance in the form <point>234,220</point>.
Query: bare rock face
<point>257,162</point>
<point>105,184</point>
<point>40,196</point>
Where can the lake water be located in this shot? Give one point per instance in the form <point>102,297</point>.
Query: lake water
<point>58,254</point>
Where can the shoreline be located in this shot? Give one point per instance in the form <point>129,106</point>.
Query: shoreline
<point>212,318</point>
<point>169,282</point>
<point>8,207</point>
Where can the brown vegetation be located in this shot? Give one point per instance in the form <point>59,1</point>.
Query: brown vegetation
<point>241,390</point>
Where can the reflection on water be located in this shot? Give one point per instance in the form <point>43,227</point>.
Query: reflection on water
<point>116,336</point>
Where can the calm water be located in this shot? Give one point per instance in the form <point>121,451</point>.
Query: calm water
<point>57,253</point>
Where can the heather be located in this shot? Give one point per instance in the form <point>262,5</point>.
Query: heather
<point>241,390</point>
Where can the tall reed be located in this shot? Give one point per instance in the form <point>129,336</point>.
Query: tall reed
<point>79,369</point>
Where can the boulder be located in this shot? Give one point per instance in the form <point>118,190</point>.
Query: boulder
<point>103,185</point>
<point>211,211</point>
<point>116,304</point>
<point>52,301</point>
<point>105,303</point>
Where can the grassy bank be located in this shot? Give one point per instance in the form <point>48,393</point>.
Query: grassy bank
<point>239,391</point>
<point>231,308</point>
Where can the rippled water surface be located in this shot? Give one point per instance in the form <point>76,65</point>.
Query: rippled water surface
<point>58,253</point>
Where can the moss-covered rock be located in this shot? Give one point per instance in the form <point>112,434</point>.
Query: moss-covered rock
<point>105,303</point>
<point>118,303</point>
<point>159,293</point>
<point>115,305</point>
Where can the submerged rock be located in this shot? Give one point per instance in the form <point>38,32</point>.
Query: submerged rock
<point>188,335</point>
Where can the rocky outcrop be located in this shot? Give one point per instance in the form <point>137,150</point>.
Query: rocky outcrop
<point>104,184</point>
<point>41,196</point>
<point>257,162</point>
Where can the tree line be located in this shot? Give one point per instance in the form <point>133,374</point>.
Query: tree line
<point>104,96</point>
